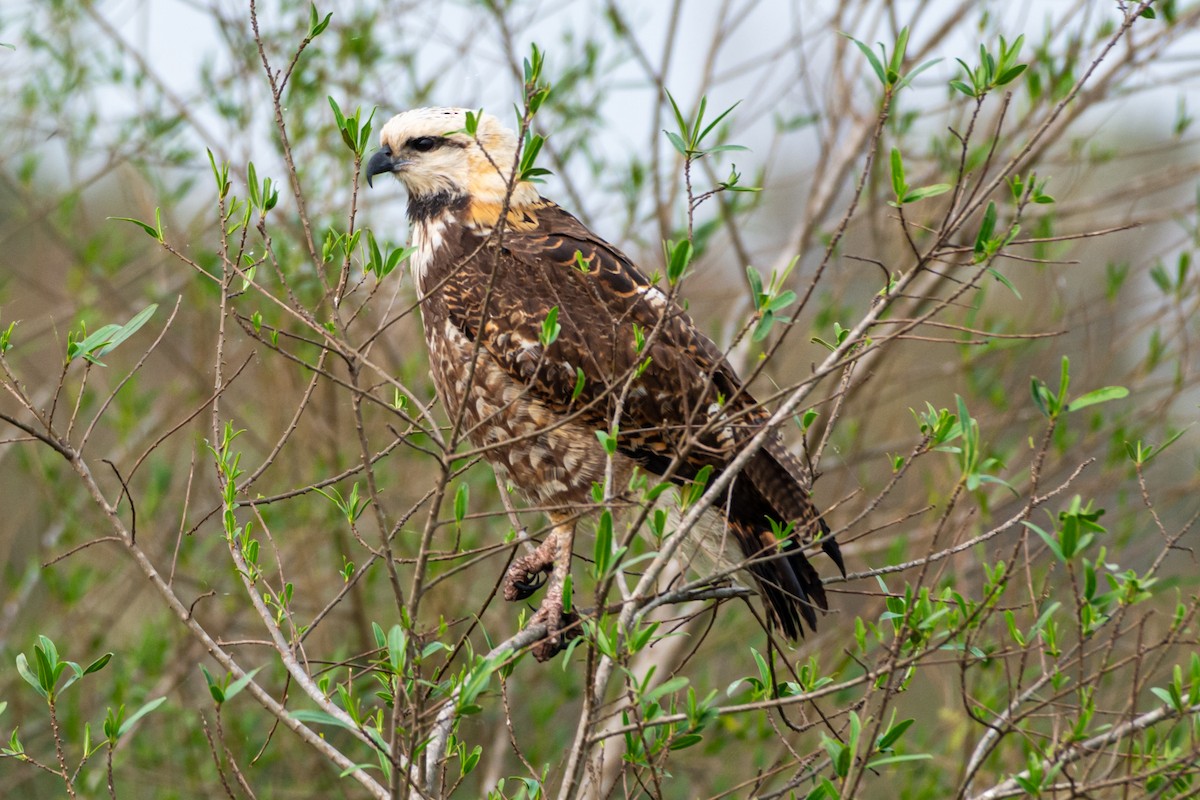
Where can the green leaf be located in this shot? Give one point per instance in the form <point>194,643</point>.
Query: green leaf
<point>343,126</point>
<point>602,551</point>
<point>24,671</point>
<point>98,664</point>
<point>899,186</point>
<point>667,687</point>
<point>220,174</point>
<point>962,87</point>
<point>316,25</point>
<point>214,687</point>
<point>472,122</point>
<point>685,740</point>
<point>76,674</point>
<point>873,59</point>
<point>6,337</point>
<point>141,712</point>
<point>825,790</point>
<point>756,285</point>
<point>550,328</point>
<point>1047,538</point>
<point>397,648</point>
<point>781,301</point>
<point>232,689</point>
<point>885,760</point>
<point>899,51</point>
<point>677,142</point>
<point>128,329</point>
<point>1044,618</point>
<point>580,383</point>
<point>608,441</point>
<point>995,273</point>
<point>1009,75</point>
<point>693,492</point>
<point>1143,453</point>
<point>1064,381</point>
<point>908,79</point>
<point>704,134</point>
<point>1041,396</point>
<point>1097,396</point>
<point>679,256</point>
<point>986,228</point>
<point>461,497</point>
<point>893,734</point>
<point>932,190</point>
<point>95,340</point>
<point>726,148</point>
<point>154,232</point>
<point>529,154</point>
<point>321,718</point>
<point>353,768</point>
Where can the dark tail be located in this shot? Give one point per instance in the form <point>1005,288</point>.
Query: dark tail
<point>773,487</point>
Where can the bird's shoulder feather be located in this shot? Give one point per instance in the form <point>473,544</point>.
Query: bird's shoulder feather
<point>617,332</point>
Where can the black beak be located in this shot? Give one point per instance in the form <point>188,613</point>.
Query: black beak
<point>381,162</point>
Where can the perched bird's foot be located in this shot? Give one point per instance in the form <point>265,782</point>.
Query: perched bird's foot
<point>526,575</point>
<point>561,628</point>
<point>552,556</point>
<point>519,588</point>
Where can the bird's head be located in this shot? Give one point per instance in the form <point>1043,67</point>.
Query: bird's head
<point>431,153</point>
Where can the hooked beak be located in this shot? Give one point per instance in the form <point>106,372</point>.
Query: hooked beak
<point>382,161</point>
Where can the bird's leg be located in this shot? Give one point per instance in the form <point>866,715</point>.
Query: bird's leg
<point>525,576</point>
<point>560,625</point>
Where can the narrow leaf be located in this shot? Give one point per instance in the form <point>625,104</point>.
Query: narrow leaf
<point>899,186</point>
<point>667,687</point>
<point>24,671</point>
<point>141,712</point>
<point>235,687</point>
<point>128,329</point>
<point>1098,396</point>
<point>98,664</point>
<point>876,64</point>
<point>149,229</point>
<point>925,191</point>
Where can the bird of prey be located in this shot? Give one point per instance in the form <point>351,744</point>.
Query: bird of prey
<point>534,403</point>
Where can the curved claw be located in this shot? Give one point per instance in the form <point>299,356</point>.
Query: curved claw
<point>525,588</point>
<point>527,574</point>
<point>523,580</point>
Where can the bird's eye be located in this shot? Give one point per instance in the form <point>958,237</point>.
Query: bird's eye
<point>423,144</point>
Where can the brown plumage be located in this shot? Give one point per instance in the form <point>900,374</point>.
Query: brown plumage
<point>487,293</point>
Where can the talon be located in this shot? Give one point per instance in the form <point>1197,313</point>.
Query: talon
<point>521,582</point>
<point>562,628</point>
<point>527,575</point>
<point>527,587</point>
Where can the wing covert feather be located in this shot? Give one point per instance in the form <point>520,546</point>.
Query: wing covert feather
<point>601,296</point>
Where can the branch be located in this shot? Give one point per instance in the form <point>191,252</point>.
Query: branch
<point>1010,787</point>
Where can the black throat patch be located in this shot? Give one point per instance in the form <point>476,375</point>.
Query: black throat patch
<point>426,207</point>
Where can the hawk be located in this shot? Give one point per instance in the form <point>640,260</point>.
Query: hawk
<point>534,402</point>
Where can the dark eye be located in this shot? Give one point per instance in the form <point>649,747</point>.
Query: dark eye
<point>423,144</point>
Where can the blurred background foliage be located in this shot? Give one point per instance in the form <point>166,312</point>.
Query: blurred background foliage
<point>110,109</point>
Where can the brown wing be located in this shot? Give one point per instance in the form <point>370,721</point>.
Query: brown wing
<point>604,305</point>
<point>673,385</point>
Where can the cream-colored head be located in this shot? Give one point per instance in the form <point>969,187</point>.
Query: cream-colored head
<point>429,150</point>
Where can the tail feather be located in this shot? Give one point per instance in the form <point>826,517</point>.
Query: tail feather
<point>774,487</point>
